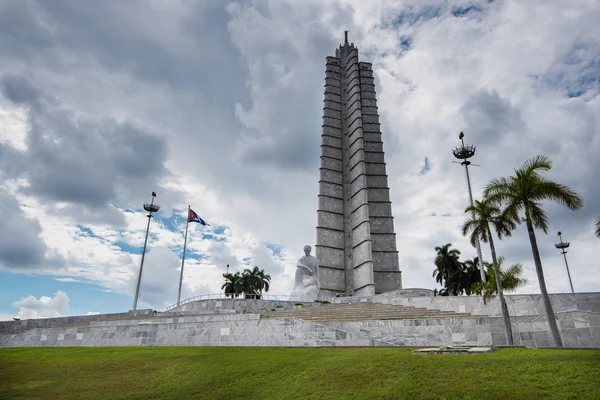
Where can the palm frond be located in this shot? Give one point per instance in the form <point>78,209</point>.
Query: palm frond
<point>538,162</point>
<point>549,190</point>
<point>538,216</point>
<point>597,232</point>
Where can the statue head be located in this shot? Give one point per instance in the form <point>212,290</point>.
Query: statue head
<point>307,250</point>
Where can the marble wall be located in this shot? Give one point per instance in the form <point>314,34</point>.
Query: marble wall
<point>518,304</point>
<point>225,330</point>
<point>238,305</point>
<point>577,328</point>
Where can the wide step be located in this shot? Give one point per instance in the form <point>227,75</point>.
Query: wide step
<point>364,312</point>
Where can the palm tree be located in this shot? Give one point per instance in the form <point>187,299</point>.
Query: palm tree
<point>256,280</point>
<point>468,276</point>
<point>511,280</point>
<point>447,266</point>
<point>523,193</point>
<point>263,280</point>
<point>233,285</point>
<point>482,215</point>
<point>597,232</point>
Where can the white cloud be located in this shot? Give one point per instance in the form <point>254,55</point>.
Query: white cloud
<point>44,307</point>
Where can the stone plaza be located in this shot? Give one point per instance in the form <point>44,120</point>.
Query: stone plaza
<point>391,319</point>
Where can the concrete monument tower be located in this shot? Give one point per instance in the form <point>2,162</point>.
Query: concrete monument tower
<point>356,243</point>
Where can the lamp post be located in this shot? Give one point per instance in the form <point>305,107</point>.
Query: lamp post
<point>464,153</point>
<point>563,246</point>
<point>150,208</point>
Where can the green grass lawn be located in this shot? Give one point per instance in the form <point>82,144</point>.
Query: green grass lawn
<point>299,373</point>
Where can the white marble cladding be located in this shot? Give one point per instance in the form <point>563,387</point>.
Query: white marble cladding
<point>518,304</point>
<point>578,329</point>
<point>234,332</point>
<point>423,332</point>
<point>238,305</point>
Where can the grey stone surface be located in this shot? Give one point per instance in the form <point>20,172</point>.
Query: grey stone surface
<point>356,244</point>
<point>242,330</point>
<point>179,327</point>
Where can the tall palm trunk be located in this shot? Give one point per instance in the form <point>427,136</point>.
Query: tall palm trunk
<point>503,306</point>
<point>540,273</point>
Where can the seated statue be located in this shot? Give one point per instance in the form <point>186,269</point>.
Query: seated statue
<point>306,284</point>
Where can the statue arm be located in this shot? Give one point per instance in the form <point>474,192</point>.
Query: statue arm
<point>305,269</point>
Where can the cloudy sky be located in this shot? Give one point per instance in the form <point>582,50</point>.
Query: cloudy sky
<point>217,104</point>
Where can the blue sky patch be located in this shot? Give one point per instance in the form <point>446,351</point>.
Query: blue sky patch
<point>128,248</point>
<point>426,166</point>
<point>276,249</point>
<point>85,231</point>
<point>462,11</point>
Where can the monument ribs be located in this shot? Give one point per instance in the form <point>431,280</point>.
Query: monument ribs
<point>356,243</point>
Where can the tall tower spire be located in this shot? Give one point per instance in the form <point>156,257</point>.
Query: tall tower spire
<point>356,243</point>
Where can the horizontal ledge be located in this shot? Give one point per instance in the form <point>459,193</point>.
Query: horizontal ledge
<point>358,191</point>
<point>357,164</point>
<point>331,197</point>
<point>383,233</point>
<point>331,183</point>
<point>362,263</point>
<point>361,242</point>
<point>330,212</point>
<point>364,286</point>
<point>352,113</point>
<point>329,169</point>
<point>359,206</point>
<point>332,267</point>
<point>359,224</point>
<point>330,247</point>
<point>331,158</point>
<point>330,229</point>
<point>387,272</point>
<point>358,176</point>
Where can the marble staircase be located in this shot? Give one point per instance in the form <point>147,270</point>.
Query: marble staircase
<point>365,311</point>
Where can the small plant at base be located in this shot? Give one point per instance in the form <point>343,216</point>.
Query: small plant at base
<point>299,304</point>
<point>278,306</point>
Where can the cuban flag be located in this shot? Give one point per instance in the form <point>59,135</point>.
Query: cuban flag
<point>193,217</point>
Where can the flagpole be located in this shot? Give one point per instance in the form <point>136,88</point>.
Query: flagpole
<point>187,219</point>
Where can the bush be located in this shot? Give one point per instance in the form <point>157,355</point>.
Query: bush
<point>278,306</point>
<point>299,304</point>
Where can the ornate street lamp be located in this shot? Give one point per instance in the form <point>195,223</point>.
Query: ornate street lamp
<point>150,208</point>
<point>563,246</point>
<point>464,153</point>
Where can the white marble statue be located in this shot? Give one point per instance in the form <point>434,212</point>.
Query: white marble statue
<point>306,284</point>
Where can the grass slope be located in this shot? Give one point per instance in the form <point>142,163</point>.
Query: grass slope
<point>284,373</point>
